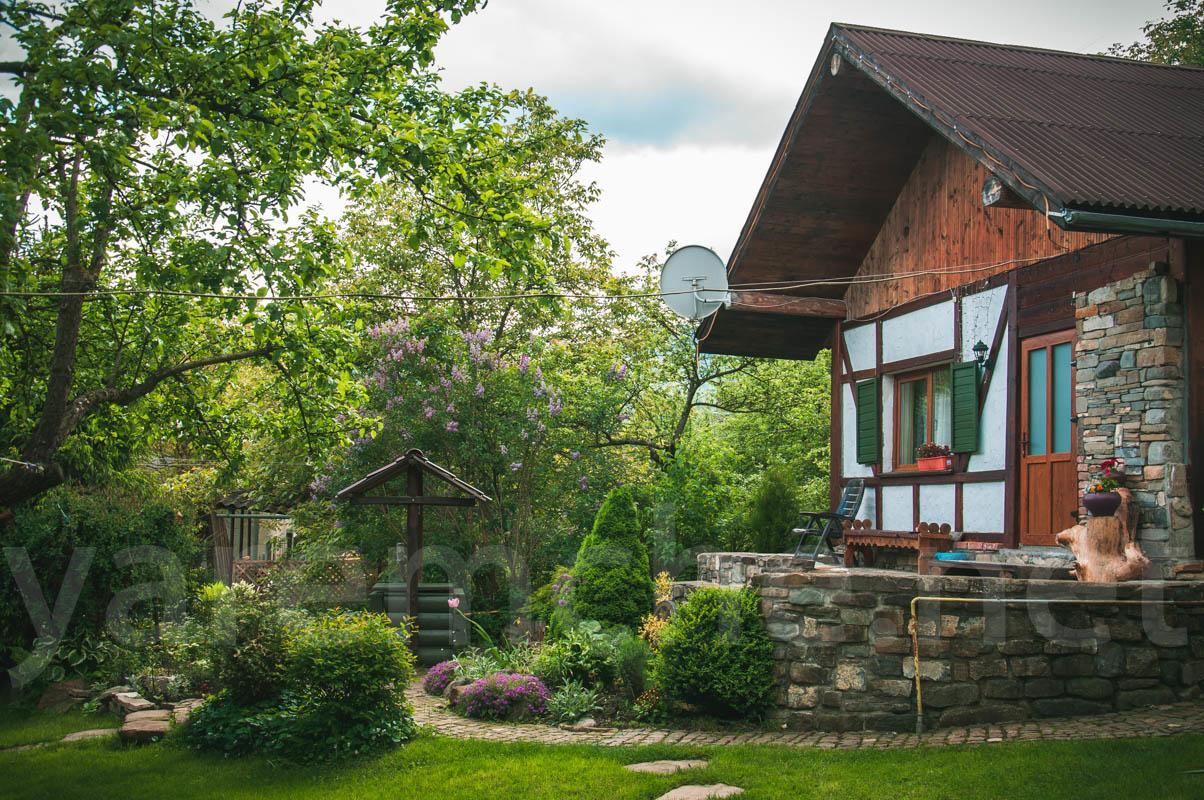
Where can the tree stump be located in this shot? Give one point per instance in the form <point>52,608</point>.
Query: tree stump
<point>1105,548</point>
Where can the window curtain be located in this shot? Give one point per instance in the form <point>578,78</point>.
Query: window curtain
<point>942,407</point>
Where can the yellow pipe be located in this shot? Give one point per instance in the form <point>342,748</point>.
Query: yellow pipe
<point>913,628</point>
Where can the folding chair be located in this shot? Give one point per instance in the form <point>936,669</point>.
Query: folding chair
<point>824,526</point>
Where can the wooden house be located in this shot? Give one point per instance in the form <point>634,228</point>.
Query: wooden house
<point>931,194</point>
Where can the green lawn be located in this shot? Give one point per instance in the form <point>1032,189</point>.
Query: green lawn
<point>444,769</point>
<point>25,726</point>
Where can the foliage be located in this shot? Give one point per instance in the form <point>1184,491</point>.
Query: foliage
<point>249,637</point>
<point>773,511</point>
<point>475,663</point>
<point>1177,38</point>
<point>342,660</point>
<point>715,653</point>
<point>572,701</point>
<point>160,153</point>
<point>1107,480</point>
<point>586,653</point>
<point>932,450</point>
<point>652,627</point>
<point>631,661</point>
<point>504,695</point>
<point>612,581</point>
<point>439,677</point>
<point>100,539</point>
<point>342,694</point>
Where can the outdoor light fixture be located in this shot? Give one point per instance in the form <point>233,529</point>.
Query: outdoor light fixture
<point>980,352</point>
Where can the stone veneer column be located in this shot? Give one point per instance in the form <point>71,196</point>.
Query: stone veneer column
<point>1130,398</point>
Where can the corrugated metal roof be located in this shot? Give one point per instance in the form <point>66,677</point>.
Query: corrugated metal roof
<point>1089,131</point>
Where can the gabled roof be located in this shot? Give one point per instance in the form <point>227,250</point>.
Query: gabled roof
<point>399,467</point>
<point>1087,131</point>
<point>1063,131</point>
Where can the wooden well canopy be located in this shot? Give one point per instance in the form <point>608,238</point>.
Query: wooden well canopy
<point>414,465</point>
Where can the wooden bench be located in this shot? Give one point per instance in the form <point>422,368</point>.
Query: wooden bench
<point>862,540</point>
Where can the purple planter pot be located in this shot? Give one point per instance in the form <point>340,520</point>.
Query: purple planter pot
<point>1101,504</point>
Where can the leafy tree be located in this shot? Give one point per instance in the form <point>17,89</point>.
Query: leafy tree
<point>612,581</point>
<point>155,159</point>
<point>1175,39</point>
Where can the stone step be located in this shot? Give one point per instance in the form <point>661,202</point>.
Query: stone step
<point>666,767</point>
<point>701,792</point>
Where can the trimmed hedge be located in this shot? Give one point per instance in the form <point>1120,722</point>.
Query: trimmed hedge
<point>715,654</point>
<point>611,577</point>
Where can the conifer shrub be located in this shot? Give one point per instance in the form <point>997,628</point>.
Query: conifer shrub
<point>611,578</point>
<point>716,655</point>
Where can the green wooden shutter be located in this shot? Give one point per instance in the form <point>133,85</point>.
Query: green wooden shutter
<point>965,407</point>
<point>869,429</point>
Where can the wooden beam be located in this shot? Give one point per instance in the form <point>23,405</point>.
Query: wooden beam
<point>778,303</point>
<point>407,500</point>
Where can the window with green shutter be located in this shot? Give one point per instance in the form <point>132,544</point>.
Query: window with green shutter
<point>965,407</point>
<point>869,427</point>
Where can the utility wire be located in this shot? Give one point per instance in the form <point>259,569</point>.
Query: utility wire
<point>768,286</point>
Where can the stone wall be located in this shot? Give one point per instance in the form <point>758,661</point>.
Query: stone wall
<point>1130,402</point>
<point>843,655</point>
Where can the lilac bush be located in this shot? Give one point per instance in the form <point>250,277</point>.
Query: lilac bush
<point>504,695</point>
<point>438,677</point>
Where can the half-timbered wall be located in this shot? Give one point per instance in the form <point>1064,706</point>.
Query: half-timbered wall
<point>973,498</point>
<point>939,225</point>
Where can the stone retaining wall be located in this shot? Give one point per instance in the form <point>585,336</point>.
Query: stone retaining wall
<point>843,653</point>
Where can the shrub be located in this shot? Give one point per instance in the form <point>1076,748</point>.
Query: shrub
<point>111,523</point>
<point>504,695</point>
<point>342,693</point>
<point>772,511</point>
<point>612,582</point>
<point>348,661</point>
<point>249,635</point>
<point>572,701</point>
<point>631,659</point>
<point>439,677</point>
<point>716,654</point>
<point>475,663</point>
<point>585,653</point>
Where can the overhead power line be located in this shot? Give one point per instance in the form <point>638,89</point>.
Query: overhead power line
<point>762,286</point>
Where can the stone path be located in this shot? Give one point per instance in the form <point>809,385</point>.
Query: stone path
<point>1144,722</point>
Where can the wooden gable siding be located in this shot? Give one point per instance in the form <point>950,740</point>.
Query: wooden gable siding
<point>938,222</point>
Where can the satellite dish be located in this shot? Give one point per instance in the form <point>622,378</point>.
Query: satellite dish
<point>694,282</point>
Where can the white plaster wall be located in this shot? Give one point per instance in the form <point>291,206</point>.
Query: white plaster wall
<point>982,507</point>
<point>917,333</point>
<point>980,316</point>
<point>888,422</point>
<point>848,438</point>
<point>860,345</point>
<point>868,508</point>
<point>938,503</point>
<point>992,424</point>
<point>896,508</point>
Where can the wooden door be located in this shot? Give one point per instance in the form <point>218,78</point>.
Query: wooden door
<point>1048,471</point>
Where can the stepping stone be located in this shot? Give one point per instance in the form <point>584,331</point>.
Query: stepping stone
<point>95,733</point>
<point>698,792</point>
<point>140,731</point>
<point>666,767</point>
<point>126,702</point>
<point>156,715</point>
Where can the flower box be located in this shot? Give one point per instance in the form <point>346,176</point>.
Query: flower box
<point>935,463</point>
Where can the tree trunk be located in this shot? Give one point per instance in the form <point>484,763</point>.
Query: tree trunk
<point>1105,548</point>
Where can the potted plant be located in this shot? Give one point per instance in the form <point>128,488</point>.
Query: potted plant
<point>1101,499</point>
<point>931,456</point>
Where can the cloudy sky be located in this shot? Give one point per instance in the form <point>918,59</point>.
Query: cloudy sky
<point>692,95</point>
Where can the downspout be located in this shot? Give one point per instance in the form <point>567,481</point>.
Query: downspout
<point>1126,223</point>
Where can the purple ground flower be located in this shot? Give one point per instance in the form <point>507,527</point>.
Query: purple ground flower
<point>504,695</point>
<point>438,677</point>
